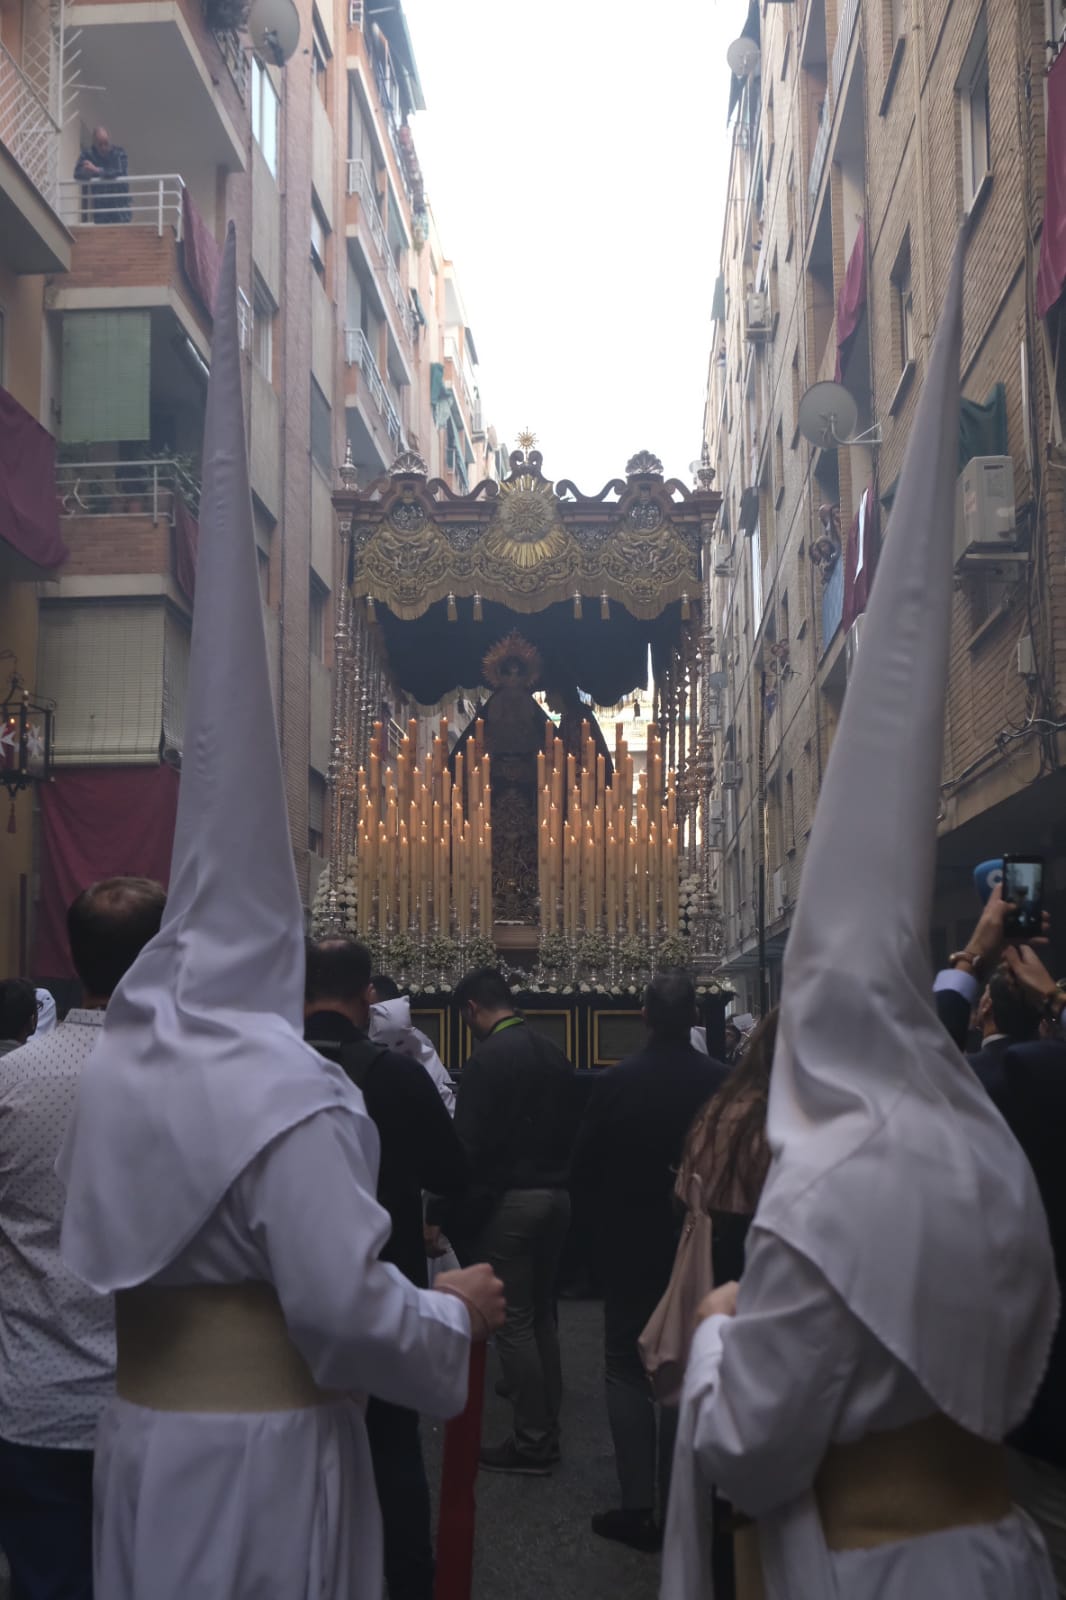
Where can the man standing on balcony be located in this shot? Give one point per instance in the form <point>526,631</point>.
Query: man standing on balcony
<point>103,167</point>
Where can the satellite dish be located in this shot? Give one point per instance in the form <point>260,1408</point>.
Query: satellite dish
<point>743,56</point>
<point>275,29</point>
<point>827,415</point>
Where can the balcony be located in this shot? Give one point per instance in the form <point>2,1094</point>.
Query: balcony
<point>832,603</point>
<point>138,258</point>
<point>359,354</point>
<point>168,81</point>
<point>361,189</point>
<point>129,527</point>
<point>845,29</point>
<point>455,377</point>
<point>147,487</point>
<point>32,238</point>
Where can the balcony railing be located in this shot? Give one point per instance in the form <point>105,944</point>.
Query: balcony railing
<point>846,27</point>
<point>126,488</point>
<point>818,155</point>
<point>155,200</point>
<point>28,129</point>
<point>359,354</point>
<point>361,183</point>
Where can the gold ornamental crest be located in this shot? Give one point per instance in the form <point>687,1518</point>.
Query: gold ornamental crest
<point>525,529</point>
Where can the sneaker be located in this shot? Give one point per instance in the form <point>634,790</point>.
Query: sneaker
<point>507,1457</point>
<point>637,1529</point>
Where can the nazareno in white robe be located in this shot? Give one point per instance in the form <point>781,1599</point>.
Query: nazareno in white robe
<point>281,1505</point>
<point>766,1392</point>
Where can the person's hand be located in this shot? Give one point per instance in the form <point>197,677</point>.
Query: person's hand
<point>721,1302</point>
<point>431,1239</point>
<point>1033,979</point>
<point>986,943</point>
<point>482,1294</point>
<point>88,169</point>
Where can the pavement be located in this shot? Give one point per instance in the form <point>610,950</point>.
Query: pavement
<point>533,1536</point>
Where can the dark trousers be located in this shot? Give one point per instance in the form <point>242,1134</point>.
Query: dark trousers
<point>403,1494</point>
<point>46,1521</point>
<point>642,1432</point>
<point>524,1242</point>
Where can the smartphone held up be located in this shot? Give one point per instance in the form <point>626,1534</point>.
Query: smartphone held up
<point>1023,889</point>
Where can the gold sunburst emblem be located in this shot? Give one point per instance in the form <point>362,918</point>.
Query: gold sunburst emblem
<point>526,530</point>
<point>514,662</point>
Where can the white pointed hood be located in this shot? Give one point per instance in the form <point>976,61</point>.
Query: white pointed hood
<point>201,1060</point>
<point>893,1173</point>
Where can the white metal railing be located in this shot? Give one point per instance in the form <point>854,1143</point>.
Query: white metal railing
<point>361,183</point>
<point>846,27</point>
<point>244,318</point>
<point>818,155</point>
<point>154,200</point>
<point>359,354</point>
<point>126,488</point>
<point>28,128</point>
<point>355,13</point>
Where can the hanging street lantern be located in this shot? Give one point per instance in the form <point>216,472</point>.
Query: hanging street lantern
<point>26,738</point>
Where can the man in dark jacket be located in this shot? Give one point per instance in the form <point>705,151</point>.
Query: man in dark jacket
<point>103,167</point>
<point>419,1151</point>
<point>1004,1018</point>
<point>628,1151</point>
<point>515,1113</point>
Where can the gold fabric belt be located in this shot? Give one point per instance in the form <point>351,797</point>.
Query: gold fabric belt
<point>210,1347</point>
<point>923,1478</point>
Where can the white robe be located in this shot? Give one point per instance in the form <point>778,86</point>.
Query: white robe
<point>281,1506</point>
<point>765,1394</point>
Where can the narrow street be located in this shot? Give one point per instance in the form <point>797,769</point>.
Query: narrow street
<point>534,1540</point>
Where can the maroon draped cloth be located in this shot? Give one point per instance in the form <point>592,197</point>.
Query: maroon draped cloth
<point>1051,274</point>
<point>201,253</point>
<point>851,300</point>
<point>98,822</point>
<point>458,1490</point>
<point>860,555</point>
<point>29,510</point>
<point>186,545</point>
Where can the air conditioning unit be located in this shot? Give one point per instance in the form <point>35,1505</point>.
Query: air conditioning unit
<point>986,528</point>
<point>851,646</point>
<point>730,774</point>
<point>757,316</point>
<point>723,559</point>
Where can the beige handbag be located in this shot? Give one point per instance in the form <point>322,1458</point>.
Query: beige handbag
<point>665,1342</point>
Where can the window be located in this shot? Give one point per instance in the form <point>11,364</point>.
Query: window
<point>769,135</point>
<point>790,812</point>
<point>974,115</point>
<point>779,463</point>
<point>321,429</point>
<point>898,18</point>
<point>756,575</point>
<point>318,240</point>
<point>263,314</point>
<point>316,812</point>
<point>903,305</point>
<point>790,202</point>
<point>320,54</point>
<point>264,575</point>
<point>796,397</point>
<point>316,628</point>
<point>265,111</point>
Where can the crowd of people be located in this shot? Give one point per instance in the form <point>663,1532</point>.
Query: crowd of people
<point>488,1172</point>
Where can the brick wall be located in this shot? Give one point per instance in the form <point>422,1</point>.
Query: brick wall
<point>908,113</point>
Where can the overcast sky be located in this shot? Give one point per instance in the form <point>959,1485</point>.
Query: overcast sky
<point>575,156</point>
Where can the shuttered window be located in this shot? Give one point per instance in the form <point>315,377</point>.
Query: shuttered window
<point>103,667</point>
<point>106,368</point>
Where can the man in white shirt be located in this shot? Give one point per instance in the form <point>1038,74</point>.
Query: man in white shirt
<point>57,1346</point>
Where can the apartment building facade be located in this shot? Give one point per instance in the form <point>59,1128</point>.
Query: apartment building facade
<point>864,134</point>
<point>356,348</point>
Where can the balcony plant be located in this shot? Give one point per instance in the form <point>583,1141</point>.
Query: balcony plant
<point>226,16</point>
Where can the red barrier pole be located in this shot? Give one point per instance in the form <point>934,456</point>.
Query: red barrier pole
<point>458,1489</point>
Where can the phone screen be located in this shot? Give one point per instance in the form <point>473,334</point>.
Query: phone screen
<point>1023,887</point>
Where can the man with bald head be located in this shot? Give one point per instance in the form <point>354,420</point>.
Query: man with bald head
<point>103,168</point>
